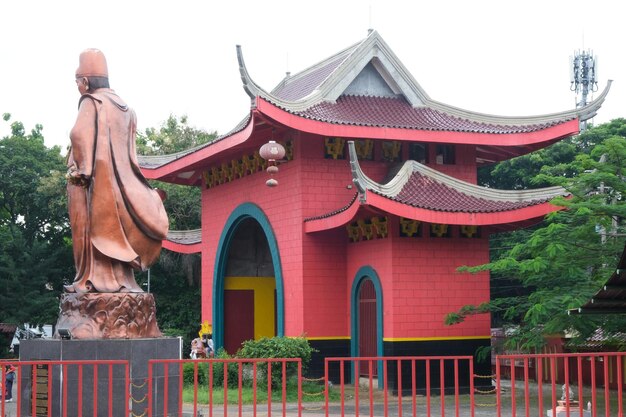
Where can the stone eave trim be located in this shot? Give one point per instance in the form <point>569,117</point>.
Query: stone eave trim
<point>582,113</point>
<point>184,241</point>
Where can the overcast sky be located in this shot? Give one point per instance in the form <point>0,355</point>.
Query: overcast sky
<point>500,57</point>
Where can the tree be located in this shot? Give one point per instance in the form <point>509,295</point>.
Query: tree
<point>35,252</point>
<point>560,264</point>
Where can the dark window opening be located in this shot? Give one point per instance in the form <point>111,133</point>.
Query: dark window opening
<point>445,155</point>
<point>419,152</point>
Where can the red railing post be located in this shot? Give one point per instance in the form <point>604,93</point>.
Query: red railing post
<point>299,388</point>
<point>414,388</point>
<point>620,388</point>
<point>456,386</point>
<point>442,392</point>
<point>428,387</point>
<point>150,387</point>
<point>498,390</point>
<point>607,401</point>
<point>471,384</point>
<point>326,381</point>
<point>399,370</point>
<point>357,371</point>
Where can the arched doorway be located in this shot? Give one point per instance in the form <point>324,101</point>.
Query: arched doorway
<point>366,315</point>
<point>247,281</point>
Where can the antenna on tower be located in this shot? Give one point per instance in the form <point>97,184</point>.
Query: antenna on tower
<point>583,77</point>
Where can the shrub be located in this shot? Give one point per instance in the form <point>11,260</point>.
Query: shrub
<point>278,347</point>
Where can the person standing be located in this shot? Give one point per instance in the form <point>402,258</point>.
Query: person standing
<point>8,382</point>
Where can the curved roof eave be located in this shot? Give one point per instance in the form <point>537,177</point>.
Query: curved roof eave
<point>182,161</point>
<point>582,113</point>
<point>558,131</point>
<point>184,241</point>
<point>429,216</point>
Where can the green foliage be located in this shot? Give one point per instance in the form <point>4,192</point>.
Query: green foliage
<point>540,272</point>
<point>173,136</point>
<point>275,347</point>
<point>35,254</point>
<point>202,370</point>
<point>278,347</point>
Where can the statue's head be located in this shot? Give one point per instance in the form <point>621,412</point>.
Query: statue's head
<point>92,71</point>
<point>92,63</point>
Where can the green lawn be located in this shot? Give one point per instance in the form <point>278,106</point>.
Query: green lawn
<point>311,392</point>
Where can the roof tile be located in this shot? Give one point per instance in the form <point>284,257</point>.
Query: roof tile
<point>396,112</point>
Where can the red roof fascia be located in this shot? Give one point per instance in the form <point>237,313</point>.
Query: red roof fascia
<point>460,218</point>
<point>564,129</point>
<point>180,248</point>
<point>196,158</point>
<point>431,216</point>
<point>331,222</point>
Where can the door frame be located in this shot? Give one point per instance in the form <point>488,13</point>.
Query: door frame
<point>239,214</point>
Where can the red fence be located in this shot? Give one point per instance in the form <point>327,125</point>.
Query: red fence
<point>561,385</point>
<point>67,388</point>
<point>265,380</point>
<point>441,385</point>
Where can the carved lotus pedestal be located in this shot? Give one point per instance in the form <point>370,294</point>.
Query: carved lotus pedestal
<point>101,327</point>
<point>108,316</point>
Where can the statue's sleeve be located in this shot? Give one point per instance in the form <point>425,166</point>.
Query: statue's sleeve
<point>83,137</point>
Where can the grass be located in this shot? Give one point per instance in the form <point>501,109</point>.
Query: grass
<point>311,392</point>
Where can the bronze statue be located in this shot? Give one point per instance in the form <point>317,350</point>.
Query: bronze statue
<point>117,219</point>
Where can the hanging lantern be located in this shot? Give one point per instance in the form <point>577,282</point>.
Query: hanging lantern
<point>272,152</point>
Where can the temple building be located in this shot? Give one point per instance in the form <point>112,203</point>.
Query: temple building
<point>377,205</point>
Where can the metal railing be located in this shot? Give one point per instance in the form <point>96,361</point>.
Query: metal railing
<point>561,385</point>
<point>558,385</point>
<point>408,385</point>
<point>224,381</point>
<point>68,388</point>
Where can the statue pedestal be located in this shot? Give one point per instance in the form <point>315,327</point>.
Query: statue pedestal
<point>97,393</point>
<point>108,316</point>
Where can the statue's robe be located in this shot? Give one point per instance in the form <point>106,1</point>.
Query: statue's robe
<point>118,221</point>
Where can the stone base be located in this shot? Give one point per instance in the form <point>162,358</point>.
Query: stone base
<point>137,352</point>
<point>108,316</point>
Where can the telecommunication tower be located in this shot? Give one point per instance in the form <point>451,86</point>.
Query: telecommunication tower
<point>583,76</point>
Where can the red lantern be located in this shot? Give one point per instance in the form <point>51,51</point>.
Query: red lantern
<point>272,152</point>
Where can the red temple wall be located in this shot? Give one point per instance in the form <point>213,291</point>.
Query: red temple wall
<point>282,206</point>
<point>318,269</point>
<point>420,283</point>
<point>427,286</point>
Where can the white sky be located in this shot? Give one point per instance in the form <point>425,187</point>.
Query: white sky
<point>178,57</point>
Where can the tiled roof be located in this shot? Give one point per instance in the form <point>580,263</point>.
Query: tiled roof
<point>425,192</point>
<point>397,113</point>
<point>7,328</point>
<point>334,212</point>
<point>418,185</point>
<point>300,85</point>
